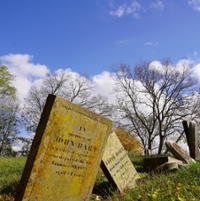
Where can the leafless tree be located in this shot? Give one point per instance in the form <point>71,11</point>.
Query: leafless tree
<point>71,86</point>
<point>153,100</point>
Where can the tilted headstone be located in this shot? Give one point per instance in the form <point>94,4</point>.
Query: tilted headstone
<point>191,132</point>
<point>178,152</point>
<point>65,154</point>
<point>186,124</point>
<point>117,166</point>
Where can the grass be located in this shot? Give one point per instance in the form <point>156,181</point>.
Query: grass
<point>10,173</point>
<point>182,185</point>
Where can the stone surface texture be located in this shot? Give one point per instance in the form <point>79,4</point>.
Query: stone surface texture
<point>191,132</point>
<point>151,163</point>
<point>117,166</point>
<point>178,152</point>
<point>65,154</point>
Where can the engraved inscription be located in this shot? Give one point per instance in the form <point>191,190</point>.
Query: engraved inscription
<point>118,164</point>
<point>65,154</point>
<point>76,154</point>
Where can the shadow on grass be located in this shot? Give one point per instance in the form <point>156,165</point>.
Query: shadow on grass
<point>8,192</point>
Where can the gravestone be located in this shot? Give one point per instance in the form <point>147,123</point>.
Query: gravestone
<point>153,162</point>
<point>147,152</point>
<point>170,166</point>
<point>65,154</point>
<point>178,152</point>
<point>117,166</point>
<point>191,132</point>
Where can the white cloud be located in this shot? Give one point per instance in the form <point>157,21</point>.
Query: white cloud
<point>196,70</point>
<point>22,64</point>
<point>178,67</point>
<point>156,66</point>
<point>17,146</point>
<point>184,63</point>
<point>195,4</point>
<point>134,8</point>
<point>27,74</point>
<point>122,42</point>
<point>157,5</point>
<point>151,43</point>
<point>125,9</point>
<point>119,12</point>
<point>104,84</point>
<point>25,71</point>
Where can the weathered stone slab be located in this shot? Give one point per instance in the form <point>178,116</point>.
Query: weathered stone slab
<point>191,132</point>
<point>178,152</point>
<point>151,163</point>
<point>168,166</point>
<point>117,166</point>
<point>186,124</point>
<point>65,154</point>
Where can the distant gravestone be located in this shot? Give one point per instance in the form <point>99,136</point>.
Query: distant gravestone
<point>65,154</point>
<point>117,166</point>
<point>170,166</point>
<point>147,152</point>
<point>191,132</point>
<point>152,163</point>
<point>178,152</point>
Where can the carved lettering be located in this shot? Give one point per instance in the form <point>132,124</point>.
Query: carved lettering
<point>83,146</point>
<point>58,164</point>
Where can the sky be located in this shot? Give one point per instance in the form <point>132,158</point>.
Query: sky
<point>91,36</point>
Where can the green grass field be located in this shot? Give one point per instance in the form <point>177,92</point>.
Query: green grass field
<point>182,185</point>
<point>10,173</point>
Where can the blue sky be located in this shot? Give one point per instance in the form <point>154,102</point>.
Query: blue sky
<point>90,36</point>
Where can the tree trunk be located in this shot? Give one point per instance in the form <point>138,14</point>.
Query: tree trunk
<point>162,139</point>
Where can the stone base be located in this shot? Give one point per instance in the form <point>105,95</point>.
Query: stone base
<point>152,163</point>
<point>170,166</point>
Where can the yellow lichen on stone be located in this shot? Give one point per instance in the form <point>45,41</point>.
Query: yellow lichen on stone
<point>69,154</point>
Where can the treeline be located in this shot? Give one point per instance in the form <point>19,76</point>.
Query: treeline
<point>151,101</point>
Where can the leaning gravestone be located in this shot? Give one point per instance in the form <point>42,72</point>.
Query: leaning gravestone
<point>191,132</point>
<point>65,154</point>
<point>178,152</point>
<point>117,166</point>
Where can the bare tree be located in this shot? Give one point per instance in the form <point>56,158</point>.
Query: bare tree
<point>153,100</point>
<point>36,99</point>
<point>71,86</point>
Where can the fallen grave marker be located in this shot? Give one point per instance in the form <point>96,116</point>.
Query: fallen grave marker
<point>117,166</point>
<point>150,164</point>
<point>178,152</point>
<point>65,154</point>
